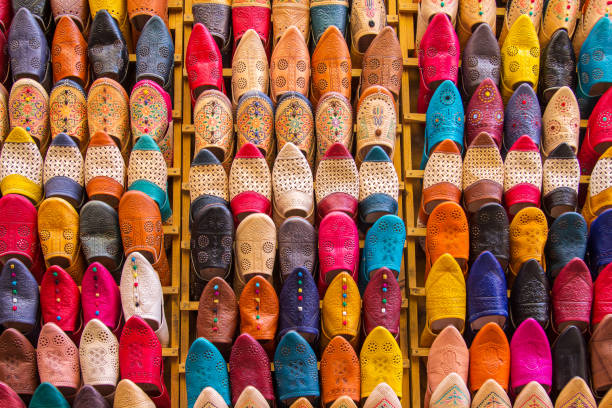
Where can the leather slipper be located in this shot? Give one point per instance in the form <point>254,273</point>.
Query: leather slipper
<point>65,313</point>
<point>381,361</point>
<point>290,62</point>
<point>599,242</point>
<point>104,170</point>
<point>333,123</point>
<point>299,306</point>
<point>528,234</point>
<point>140,360</point>
<point>214,128</point>
<point>250,185</point>
<point>570,359</point>
<point>576,392</point>
<point>114,122</point>
<point>522,117</point>
<point>297,246</point>
<point>378,187</point>
<point>491,394</point>
<point>560,181</point>
<point>107,47</point>
<point>383,248</point>
<point>451,391</point>
<point>10,397</point>
<point>531,359</point>
<point>254,250</point>
<point>29,50</point>
<point>377,122</point>
<point>489,231</point>
<point>142,295</point>
<point>130,395</point>
<point>19,218</point>
<point>100,298</point>
<point>340,372</point>
<point>258,306</point>
<point>217,318</point>
<point>599,347</point>
<point>382,62</point>
<point>251,398</point>
<point>212,236</point>
<point>366,21</point>
<point>561,121</point>
<point>63,170</point>
<point>203,62</point>
<point>333,61</point>
<point>249,63</point>
<point>288,13</point>
<point>602,295</point>
<point>341,311</point>
<point>485,113</point>
<point>294,123</point>
<point>489,358</point>
<point>99,369</point>
<point>250,369</point>
<point>447,232</point>
<point>58,361</point>
<point>558,66</point>
<point>69,56</point>
<point>18,369</point>
<point>572,296</point>
<point>337,182</point>
<point>324,14</point>
<point>486,293</point>
<point>88,397</point>
<point>292,185</point>
<point>205,367</point>
<point>338,248</point>
<point>294,351</point>
<point>483,173</point>
<point>100,235</point>
<point>209,397</point>
<point>155,47</point>
<point>383,394</point>
<point>47,396</point>
<point>382,303</point>
<point>567,239</point>
<point>530,297</point>
<point>20,300</point>
<point>208,183</point>
<point>28,105</point>
<point>254,120</point>
<point>481,56</point>
<point>21,166</point>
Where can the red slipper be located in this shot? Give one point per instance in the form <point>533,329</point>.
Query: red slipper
<point>18,229</point>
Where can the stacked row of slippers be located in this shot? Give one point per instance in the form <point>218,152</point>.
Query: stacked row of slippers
<point>516,202</point>
<point>83,177</point>
<point>292,167</point>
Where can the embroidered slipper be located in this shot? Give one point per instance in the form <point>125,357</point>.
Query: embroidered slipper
<point>214,126</point>
<point>255,123</point>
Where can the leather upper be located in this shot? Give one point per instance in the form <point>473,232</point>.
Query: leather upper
<point>530,356</point>
<point>489,232</point>
<point>99,369</point>
<point>522,175</point>
<point>48,396</point>
<point>520,54</point>
<point>77,10</point>
<point>338,247</point>
<point>258,307</point>
<point>448,343</point>
<point>337,182</point>
<point>208,182</point>
<point>367,19</point>
<point>558,65</point>
<point>341,310</point>
<point>489,357</point>
<point>130,395</point>
<point>293,351</point>
<point>28,47</point>
<point>485,113</point>
<point>572,295</point>
<point>89,397</point>
<point>290,65</point>
<point>297,246</point>
<point>9,396</point>
<point>447,233</point>
<point>332,66</point>
<point>20,221</point>
<point>141,12</point>
<point>598,132</point>
<point>483,173</point>
<point>381,361</point>
<point>602,295</point>
<point>69,53</point>
<point>251,15</point>
<point>114,122</point>
<point>340,371</point>
<point>254,120</point>
<point>100,234</point>
<point>214,130</point>
<point>28,108</point>
<point>522,117</point>
<point>104,170</point>
<point>567,239</point>
<point>216,16</point>
<point>205,367</point>
<point>481,59</point>
<point>451,391</point>
<point>217,313</point>
<point>333,123</point>
<point>578,392</point>
<point>378,186</point>
<point>383,248</point>
<point>294,123</point>
<point>442,178</point>
<point>533,394</point>
<point>558,15</point>
<point>250,184</point>
<point>592,61</point>
<point>63,170</point>
<point>212,235</point>
<point>155,53</point>
<point>292,181</point>
<point>249,366</point>
<point>439,51</point>
<point>561,121</point>
<point>299,304</point>
<point>530,295</point>
<point>382,302</point>
<point>376,121</point>
<point>203,62</point>
<point>486,292</point>
<point>444,119</point>
<point>599,244</point>
<point>326,13</point>
<point>491,394</point>
<point>65,313</point>
<point>20,299</point>
<point>141,230</point>
<point>569,353</point>
<point>100,297</point>
<point>250,65</point>
<point>382,62</point>
<point>58,359</point>
<point>18,369</point>
<point>599,348</point>
<point>107,48</point>
<point>21,166</point>
<point>291,13</point>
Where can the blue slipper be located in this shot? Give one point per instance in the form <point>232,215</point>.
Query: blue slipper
<point>295,366</point>
<point>486,292</point>
<point>600,242</point>
<point>444,119</point>
<point>299,314</point>
<point>383,247</point>
<point>567,239</point>
<point>47,396</point>
<point>205,367</point>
